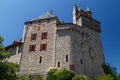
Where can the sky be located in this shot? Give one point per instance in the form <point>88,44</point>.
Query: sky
<point>13,14</point>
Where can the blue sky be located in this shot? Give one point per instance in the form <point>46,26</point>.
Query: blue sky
<point>13,14</point>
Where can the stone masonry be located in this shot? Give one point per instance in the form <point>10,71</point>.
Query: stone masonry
<point>49,43</point>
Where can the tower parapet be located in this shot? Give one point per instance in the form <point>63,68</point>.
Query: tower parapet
<point>84,18</point>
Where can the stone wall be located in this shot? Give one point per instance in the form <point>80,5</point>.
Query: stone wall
<point>83,47</point>
<point>30,60</point>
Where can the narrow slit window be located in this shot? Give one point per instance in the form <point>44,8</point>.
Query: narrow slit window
<point>66,58</point>
<point>40,61</point>
<point>81,61</point>
<point>59,64</point>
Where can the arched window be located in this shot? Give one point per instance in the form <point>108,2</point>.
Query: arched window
<point>58,63</point>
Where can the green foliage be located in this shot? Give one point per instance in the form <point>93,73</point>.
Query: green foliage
<point>64,74</point>
<point>3,54</point>
<point>51,74</point>
<point>109,70</point>
<point>106,77</point>
<point>24,78</point>
<point>80,77</point>
<point>7,69</point>
<point>1,44</point>
<point>118,77</point>
<point>31,77</point>
<point>51,71</point>
<point>61,74</point>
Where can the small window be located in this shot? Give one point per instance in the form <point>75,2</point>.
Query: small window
<point>30,22</point>
<point>33,36</point>
<point>72,67</point>
<point>81,61</point>
<point>66,58</point>
<point>48,20</point>
<point>38,28</point>
<point>32,48</point>
<point>59,64</point>
<point>43,46</point>
<point>40,61</point>
<point>44,35</point>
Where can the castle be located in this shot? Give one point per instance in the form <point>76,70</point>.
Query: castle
<point>49,43</point>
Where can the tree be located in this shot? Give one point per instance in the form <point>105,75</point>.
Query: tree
<point>7,69</point>
<point>105,77</point>
<point>109,70</point>
<point>62,74</point>
<point>80,77</point>
<point>118,77</point>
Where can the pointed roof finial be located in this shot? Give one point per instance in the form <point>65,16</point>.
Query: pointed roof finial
<point>75,6</point>
<point>88,9</point>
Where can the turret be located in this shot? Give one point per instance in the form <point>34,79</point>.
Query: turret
<point>75,10</point>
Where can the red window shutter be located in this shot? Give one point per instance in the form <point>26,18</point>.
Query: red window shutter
<point>40,47</point>
<point>31,37</point>
<point>45,46</point>
<point>42,36</point>
<point>34,47</point>
<point>46,35</point>
<point>72,67</point>
<point>35,36</point>
<point>30,48</point>
<point>38,28</point>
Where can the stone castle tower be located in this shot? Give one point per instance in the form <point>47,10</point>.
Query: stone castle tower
<point>49,43</point>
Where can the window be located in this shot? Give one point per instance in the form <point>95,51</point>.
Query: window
<point>32,47</point>
<point>58,64</point>
<point>44,35</point>
<point>38,28</point>
<point>48,20</point>
<point>30,22</point>
<point>33,36</point>
<point>66,58</point>
<point>43,46</point>
<point>40,60</point>
<point>81,61</point>
<point>72,67</point>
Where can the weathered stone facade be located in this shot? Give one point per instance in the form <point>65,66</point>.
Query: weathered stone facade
<point>49,43</point>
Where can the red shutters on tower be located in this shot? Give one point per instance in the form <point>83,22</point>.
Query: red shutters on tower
<point>43,46</point>
<point>33,36</point>
<point>32,47</point>
<point>72,67</point>
<point>44,35</point>
<point>38,28</point>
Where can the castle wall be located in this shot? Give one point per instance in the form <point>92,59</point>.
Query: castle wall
<point>83,47</point>
<point>30,61</point>
<point>15,54</point>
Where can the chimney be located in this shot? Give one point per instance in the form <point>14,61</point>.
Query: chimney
<point>89,12</point>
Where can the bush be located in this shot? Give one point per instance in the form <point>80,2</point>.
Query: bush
<point>61,74</point>
<point>64,74</point>
<point>106,77</point>
<point>80,77</point>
